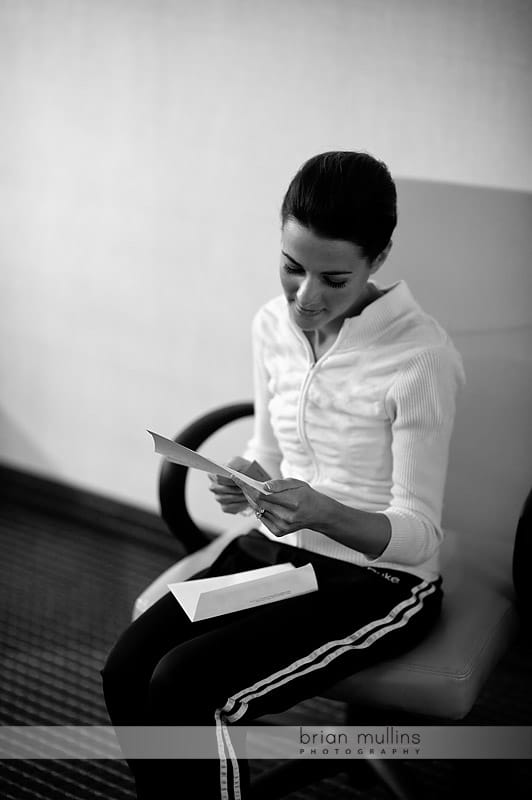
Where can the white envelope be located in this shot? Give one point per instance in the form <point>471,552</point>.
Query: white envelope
<point>211,597</point>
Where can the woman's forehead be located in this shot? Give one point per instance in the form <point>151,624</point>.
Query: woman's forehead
<point>310,250</point>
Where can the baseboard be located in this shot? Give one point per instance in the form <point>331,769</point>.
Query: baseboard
<point>62,500</point>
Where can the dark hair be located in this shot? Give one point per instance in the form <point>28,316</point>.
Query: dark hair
<point>344,195</point>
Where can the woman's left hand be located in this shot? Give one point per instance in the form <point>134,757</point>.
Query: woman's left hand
<point>292,505</point>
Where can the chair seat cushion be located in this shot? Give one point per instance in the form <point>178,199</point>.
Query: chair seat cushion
<point>444,674</point>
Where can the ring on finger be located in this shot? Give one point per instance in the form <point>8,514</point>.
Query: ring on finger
<point>259,513</point>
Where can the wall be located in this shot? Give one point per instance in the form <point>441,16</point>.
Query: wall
<point>146,145</point>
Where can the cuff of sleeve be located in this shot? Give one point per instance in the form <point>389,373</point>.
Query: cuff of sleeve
<point>412,540</point>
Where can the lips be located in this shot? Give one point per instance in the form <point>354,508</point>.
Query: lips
<point>308,312</point>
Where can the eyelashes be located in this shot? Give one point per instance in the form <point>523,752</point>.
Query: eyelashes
<point>327,281</point>
<point>334,285</point>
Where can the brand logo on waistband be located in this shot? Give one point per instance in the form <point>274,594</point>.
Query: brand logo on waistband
<point>386,575</point>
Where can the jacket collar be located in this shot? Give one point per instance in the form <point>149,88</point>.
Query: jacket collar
<point>392,306</point>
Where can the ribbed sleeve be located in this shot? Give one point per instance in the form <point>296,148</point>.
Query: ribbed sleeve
<point>421,405</point>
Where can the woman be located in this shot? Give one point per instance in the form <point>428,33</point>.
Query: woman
<point>354,406</point>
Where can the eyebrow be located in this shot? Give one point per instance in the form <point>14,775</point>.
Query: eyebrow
<point>326,272</point>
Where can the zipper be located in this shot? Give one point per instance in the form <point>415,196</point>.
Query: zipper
<point>300,415</point>
<point>313,363</point>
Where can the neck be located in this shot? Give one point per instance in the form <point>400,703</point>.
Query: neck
<point>370,294</point>
<point>321,340</point>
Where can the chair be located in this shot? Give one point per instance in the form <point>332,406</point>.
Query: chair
<point>438,681</point>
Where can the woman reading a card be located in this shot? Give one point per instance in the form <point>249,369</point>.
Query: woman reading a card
<point>355,390</point>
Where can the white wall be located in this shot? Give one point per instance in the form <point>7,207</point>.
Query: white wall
<point>145,149</point>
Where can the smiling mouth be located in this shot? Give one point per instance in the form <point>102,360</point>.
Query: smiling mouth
<point>309,312</point>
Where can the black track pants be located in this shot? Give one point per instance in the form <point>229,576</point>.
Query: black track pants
<point>166,670</point>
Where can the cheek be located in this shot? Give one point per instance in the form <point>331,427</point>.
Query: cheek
<point>338,300</point>
<point>348,295</point>
<point>340,297</point>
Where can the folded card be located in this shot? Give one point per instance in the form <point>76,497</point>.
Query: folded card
<point>179,454</point>
<point>211,597</point>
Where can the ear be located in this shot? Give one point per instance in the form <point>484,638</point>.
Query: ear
<point>379,260</point>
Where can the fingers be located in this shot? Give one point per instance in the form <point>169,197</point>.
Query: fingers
<point>279,515</point>
<point>277,525</point>
<point>227,494</point>
<point>229,498</point>
<point>284,498</point>
<point>234,508</point>
<point>276,502</point>
<point>284,494</point>
<point>253,495</point>
<point>252,498</point>
<point>284,484</point>
<point>280,507</point>
<point>255,471</point>
<point>222,490</point>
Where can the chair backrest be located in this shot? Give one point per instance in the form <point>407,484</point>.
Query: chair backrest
<point>490,463</point>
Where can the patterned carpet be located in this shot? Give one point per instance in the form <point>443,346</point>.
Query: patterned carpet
<point>68,584</point>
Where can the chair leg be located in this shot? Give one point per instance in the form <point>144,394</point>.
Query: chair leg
<point>391,774</point>
<point>388,773</point>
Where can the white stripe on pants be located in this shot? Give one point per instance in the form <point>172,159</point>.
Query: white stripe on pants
<point>318,659</point>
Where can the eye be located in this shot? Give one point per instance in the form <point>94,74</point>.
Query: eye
<point>334,284</point>
<point>292,269</point>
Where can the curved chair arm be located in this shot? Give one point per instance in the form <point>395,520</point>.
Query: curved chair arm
<point>522,558</point>
<point>172,477</point>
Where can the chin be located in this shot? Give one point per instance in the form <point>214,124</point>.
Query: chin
<point>306,326</point>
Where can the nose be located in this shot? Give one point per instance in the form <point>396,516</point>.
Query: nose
<point>309,294</point>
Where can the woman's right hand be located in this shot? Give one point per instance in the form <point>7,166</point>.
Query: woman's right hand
<point>230,497</point>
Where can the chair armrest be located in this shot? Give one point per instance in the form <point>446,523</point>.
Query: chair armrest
<point>172,477</point>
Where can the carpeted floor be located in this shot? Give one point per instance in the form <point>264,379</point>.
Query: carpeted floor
<point>68,584</point>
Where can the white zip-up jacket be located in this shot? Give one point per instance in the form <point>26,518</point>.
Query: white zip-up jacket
<point>368,424</point>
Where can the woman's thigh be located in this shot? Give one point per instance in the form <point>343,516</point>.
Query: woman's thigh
<point>270,658</point>
<point>266,659</point>
<point>293,648</point>
<point>164,625</point>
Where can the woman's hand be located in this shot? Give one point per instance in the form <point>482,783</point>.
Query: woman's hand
<point>225,490</point>
<point>292,505</point>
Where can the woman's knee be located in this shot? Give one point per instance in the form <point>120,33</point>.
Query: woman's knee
<point>140,644</point>
<point>117,658</point>
<point>125,670</point>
